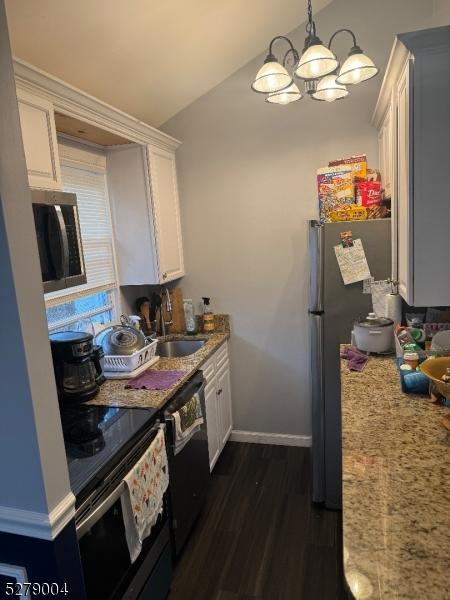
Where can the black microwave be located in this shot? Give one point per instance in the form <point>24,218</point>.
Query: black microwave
<point>59,239</point>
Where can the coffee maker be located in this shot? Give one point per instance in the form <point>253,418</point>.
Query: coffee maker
<point>77,365</point>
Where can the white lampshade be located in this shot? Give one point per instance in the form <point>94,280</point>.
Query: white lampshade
<point>290,94</point>
<point>329,90</point>
<point>358,67</point>
<point>272,77</point>
<point>316,61</point>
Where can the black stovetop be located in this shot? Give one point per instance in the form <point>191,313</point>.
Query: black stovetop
<point>96,438</point>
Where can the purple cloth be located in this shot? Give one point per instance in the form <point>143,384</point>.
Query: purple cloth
<point>357,360</point>
<point>155,380</point>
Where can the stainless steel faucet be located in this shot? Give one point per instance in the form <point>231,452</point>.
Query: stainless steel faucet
<point>165,324</point>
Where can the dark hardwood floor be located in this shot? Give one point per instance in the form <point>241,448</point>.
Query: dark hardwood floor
<point>259,537</point>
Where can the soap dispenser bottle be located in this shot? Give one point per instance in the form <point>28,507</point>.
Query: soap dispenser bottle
<point>208,316</point>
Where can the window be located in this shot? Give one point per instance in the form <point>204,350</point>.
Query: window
<point>84,173</point>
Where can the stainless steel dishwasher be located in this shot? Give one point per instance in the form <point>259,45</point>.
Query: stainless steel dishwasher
<point>189,468</point>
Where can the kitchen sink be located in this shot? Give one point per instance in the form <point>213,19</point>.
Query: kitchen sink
<point>177,348</point>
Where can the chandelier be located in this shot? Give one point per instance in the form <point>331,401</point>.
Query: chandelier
<point>318,67</point>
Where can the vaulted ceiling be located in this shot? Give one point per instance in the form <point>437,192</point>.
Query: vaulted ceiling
<point>150,58</point>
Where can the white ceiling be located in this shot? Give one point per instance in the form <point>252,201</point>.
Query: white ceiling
<point>150,58</point>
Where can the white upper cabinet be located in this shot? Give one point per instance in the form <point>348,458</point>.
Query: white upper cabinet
<point>142,186</point>
<point>39,141</point>
<point>385,151</point>
<point>412,117</point>
<point>166,212</point>
<point>404,215</point>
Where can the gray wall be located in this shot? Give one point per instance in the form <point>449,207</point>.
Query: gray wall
<point>33,468</point>
<point>247,186</point>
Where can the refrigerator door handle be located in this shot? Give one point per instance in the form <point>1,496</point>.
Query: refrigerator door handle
<point>316,260</point>
<point>318,409</point>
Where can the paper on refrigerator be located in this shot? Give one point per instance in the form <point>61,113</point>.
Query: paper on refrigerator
<point>352,262</point>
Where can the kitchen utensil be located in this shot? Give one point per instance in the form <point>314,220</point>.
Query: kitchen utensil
<point>178,319</point>
<point>130,374</point>
<point>441,342</point>
<point>434,369</point>
<point>125,321</point>
<point>374,334</point>
<point>143,309</point>
<point>120,340</point>
<point>130,362</point>
<point>135,321</point>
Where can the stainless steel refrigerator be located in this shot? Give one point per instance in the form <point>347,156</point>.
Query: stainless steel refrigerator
<point>333,307</point>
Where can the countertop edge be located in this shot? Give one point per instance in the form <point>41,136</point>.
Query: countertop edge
<point>112,390</point>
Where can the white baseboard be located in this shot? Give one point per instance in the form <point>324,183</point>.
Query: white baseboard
<point>276,439</point>
<point>35,524</point>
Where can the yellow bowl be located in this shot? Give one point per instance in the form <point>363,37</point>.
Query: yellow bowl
<point>434,368</point>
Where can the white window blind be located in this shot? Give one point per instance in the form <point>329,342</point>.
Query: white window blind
<point>89,184</point>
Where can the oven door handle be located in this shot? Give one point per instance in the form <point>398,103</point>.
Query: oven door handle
<point>93,517</point>
<point>99,511</point>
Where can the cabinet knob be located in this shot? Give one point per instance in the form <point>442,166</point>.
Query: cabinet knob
<point>219,392</point>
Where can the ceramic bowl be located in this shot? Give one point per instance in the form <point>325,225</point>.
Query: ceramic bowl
<point>434,368</point>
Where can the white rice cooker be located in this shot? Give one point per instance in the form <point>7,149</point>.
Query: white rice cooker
<point>373,334</point>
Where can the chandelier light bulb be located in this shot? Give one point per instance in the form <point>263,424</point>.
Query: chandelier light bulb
<point>271,77</point>
<point>357,68</point>
<point>316,61</point>
<point>290,94</point>
<point>329,90</point>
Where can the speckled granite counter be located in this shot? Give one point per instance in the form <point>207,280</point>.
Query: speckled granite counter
<point>113,392</point>
<point>396,482</point>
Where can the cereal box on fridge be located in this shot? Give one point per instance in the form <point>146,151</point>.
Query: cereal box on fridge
<point>335,190</point>
<point>357,163</point>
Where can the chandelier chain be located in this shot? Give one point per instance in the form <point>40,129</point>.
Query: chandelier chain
<point>310,26</point>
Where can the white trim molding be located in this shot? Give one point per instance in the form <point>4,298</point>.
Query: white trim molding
<point>71,101</point>
<point>275,439</point>
<point>35,524</point>
<point>19,574</point>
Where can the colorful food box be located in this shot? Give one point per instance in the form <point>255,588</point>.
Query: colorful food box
<point>368,193</point>
<point>357,163</point>
<point>335,190</point>
<point>352,212</point>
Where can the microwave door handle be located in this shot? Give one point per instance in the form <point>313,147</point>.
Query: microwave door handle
<point>99,511</point>
<point>63,239</point>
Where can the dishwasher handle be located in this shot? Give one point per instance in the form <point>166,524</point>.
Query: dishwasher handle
<point>199,389</point>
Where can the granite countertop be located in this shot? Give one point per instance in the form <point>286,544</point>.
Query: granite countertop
<point>396,482</point>
<point>113,392</point>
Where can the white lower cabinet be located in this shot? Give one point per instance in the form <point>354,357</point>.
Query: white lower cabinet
<point>224,403</point>
<point>212,420</point>
<point>219,415</point>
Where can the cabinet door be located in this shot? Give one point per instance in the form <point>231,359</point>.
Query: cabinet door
<point>39,140</point>
<point>166,213</point>
<point>386,149</point>
<point>212,422</point>
<point>224,403</point>
<point>404,187</point>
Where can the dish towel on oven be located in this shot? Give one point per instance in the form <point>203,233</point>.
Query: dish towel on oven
<point>142,500</point>
<point>188,420</point>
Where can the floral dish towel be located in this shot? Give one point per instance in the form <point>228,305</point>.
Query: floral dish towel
<point>188,420</point>
<point>142,500</point>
